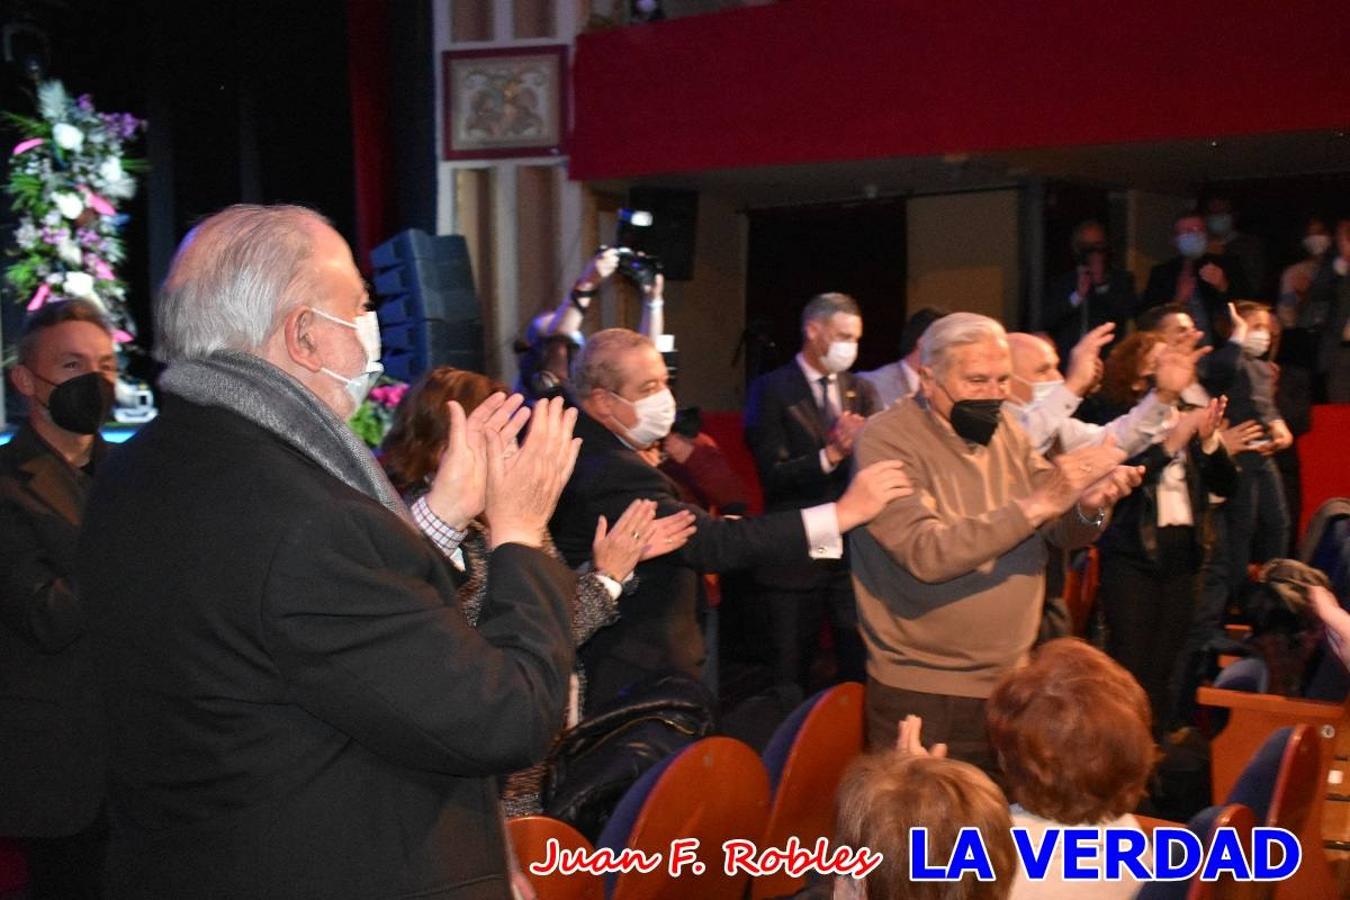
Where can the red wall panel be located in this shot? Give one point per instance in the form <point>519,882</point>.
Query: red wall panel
<point>816,80</point>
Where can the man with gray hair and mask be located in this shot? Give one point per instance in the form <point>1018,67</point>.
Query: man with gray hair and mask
<point>950,578</point>
<point>621,384</point>
<point>297,705</point>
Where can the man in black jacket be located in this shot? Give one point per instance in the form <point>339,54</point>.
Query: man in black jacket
<point>51,748</point>
<point>1197,280</point>
<point>1091,294</point>
<point>297,706</point>
<point>622,387</point>
<point>800,423</point>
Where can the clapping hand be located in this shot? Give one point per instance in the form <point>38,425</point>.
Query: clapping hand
<point>1239,332</point>
<point>843,435</point>
<point>1176,367</point>
<point>523,484</point>
<point>1241,438</point>
<point>1213,275</point>
<point>458,490</point>
<point>1085,360</point>
<point>910,742</point>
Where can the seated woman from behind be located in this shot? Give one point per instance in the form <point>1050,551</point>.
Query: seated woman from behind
<point>1073,736</point>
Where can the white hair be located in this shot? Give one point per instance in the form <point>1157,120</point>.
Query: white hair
<point>956,330</point>
<point>234,276</point>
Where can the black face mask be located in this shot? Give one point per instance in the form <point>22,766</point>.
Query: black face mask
<point>975,420</point>
<point>81,404</point>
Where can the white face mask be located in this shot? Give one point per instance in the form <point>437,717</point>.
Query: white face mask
<point>1317,244</point>
<point>1257,342</point>
<point>1040,390</point>
<point>655,415</point>
<point>367,327</point>
<point>840,356</point>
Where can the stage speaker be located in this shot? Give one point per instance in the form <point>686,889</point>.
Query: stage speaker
<point>671,234</point>
<point>428,310</point>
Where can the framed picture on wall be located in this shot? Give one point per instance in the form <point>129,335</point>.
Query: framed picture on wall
<point>505,102</point>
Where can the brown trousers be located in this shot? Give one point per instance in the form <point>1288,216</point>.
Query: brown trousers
<point>957,722</point>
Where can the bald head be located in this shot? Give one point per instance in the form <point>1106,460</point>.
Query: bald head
<point>1033,360</point>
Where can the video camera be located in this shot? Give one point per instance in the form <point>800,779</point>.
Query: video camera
<point>637,267</point>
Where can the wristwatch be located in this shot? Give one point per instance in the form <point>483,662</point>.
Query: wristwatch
<point>1096,521</point>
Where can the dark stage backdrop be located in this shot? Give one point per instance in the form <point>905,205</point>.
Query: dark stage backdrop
<point>798,252</point>
<point>248,101</point>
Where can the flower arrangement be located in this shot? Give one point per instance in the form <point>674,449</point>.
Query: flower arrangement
<point>373,418</point>
<point>65,178</point>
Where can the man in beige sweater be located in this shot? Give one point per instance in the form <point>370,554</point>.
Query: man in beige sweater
<point>950,579</point>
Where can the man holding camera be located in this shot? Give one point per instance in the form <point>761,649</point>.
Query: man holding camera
<point>554,335</point>
<point>800,422</point>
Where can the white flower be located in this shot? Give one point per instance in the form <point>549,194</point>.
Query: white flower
<point>69,251</point>
<point>111,169</point>
<point>69,204</point>
<point>26,235</point>
<point>54,278</point>
<point>80,284</point>
<point>67,136</point>
<point>51,217</point>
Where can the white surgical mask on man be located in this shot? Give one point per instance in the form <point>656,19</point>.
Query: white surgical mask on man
<point>367,327</point>
<point>841,356</point>
<point>1257,342</point>
<point>655,416</point>
<point>1040,390</point>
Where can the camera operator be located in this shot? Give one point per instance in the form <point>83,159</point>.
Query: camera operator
<point>554,336</point>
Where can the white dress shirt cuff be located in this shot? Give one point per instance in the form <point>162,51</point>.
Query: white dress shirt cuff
<point>612,587</point>
<point>822,532</point>
<point>825,465</point>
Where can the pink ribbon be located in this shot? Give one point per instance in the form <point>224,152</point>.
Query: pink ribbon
<point>39,297</point>
<point>25,146</point>
<point>98,204</point>
<point>122,337</point>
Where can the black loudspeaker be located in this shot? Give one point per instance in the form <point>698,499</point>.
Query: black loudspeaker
<point>671,234</point>
<point>428,311</point>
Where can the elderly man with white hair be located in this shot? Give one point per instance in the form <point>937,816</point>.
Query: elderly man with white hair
<point>950,578</point>
<point>297,706</point>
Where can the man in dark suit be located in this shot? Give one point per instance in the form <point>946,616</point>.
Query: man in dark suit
<point>622,387</point>
<point>800,423</point>
<point>51,748</point>
<point>297,706</point>
<point>1197,280</point>
<point>1091,294</point>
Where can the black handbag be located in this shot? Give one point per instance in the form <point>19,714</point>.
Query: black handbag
<point>591,765</point>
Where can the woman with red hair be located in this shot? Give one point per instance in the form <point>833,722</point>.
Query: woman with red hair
<point>1072,731</point>
<point>411,454</point>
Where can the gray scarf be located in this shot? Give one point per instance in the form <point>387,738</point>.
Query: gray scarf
<point>269,398</point>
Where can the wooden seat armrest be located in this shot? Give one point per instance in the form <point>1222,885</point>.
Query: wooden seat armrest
<point>1296,709</point>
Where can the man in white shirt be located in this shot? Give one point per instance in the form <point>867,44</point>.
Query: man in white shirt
<point>900,379</point>
<point>1044,401</point>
